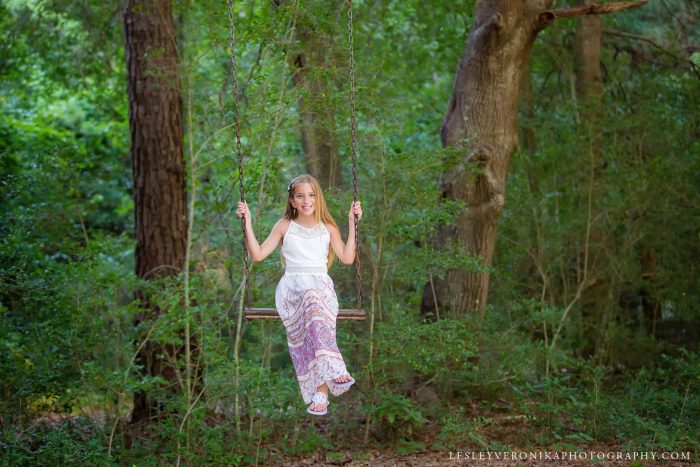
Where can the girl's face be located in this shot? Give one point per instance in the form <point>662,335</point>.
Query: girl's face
<point>304,199</point>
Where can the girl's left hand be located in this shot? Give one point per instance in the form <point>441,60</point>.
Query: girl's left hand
<point>355,209</point>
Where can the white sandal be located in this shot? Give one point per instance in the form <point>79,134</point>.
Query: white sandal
<point>319,398</point>
<point>344,384</point>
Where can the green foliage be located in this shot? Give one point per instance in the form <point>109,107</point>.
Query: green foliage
<point>651,409</point>
<point>440,351</point>
<point>68,442</point>
<point>397,414</point>
<point>458,430</point>
<point>67,339</point>
<point>54,348</point>
<point>310,442</point>
<point>656,408</point>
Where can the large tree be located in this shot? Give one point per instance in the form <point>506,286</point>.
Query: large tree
<point>481,124</point>
<point>155,121</point>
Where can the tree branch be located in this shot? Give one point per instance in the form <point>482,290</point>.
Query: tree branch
<point>679,58</point>
<point>596,9</point>
<point>549,16</point>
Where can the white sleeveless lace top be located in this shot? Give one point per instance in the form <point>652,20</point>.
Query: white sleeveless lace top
<point>305,250</point>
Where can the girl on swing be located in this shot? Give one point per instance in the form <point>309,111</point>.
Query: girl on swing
<point>305,297</point>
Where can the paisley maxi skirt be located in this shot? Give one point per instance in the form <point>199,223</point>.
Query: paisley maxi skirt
<point>308,307</point>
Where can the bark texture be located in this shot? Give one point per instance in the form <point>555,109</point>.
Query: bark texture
<point>588,45</point>
<point>155,122</point>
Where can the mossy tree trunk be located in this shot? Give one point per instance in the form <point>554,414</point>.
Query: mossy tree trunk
<point>481,124</point>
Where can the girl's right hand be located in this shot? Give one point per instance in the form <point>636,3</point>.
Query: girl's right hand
<point>243,210</point>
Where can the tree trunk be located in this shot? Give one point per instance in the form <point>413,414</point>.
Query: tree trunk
<point>588,45</point>
<point>311,63</point>
<point>595,303</point>
<point>155,122</point>
<point>481,123</point>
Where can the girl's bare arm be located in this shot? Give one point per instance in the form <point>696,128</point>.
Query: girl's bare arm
<point>257,251</point>
<point>344,251</point>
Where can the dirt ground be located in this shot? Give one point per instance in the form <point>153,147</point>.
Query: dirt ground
<point>390,459</point>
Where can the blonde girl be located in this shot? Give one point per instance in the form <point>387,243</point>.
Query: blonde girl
<point>305,297</point>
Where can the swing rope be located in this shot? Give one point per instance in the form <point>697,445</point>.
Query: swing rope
<point>270,313</point>
<point>353,146</point>
<point>239,152</point>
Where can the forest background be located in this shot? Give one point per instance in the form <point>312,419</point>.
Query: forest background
<point>589,335</point>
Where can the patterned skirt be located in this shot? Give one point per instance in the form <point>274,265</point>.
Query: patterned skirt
<point>308,307</point>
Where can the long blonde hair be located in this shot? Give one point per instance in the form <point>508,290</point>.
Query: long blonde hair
<point>321,212</point>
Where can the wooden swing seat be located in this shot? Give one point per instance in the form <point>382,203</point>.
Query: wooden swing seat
<point>271,313</point>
